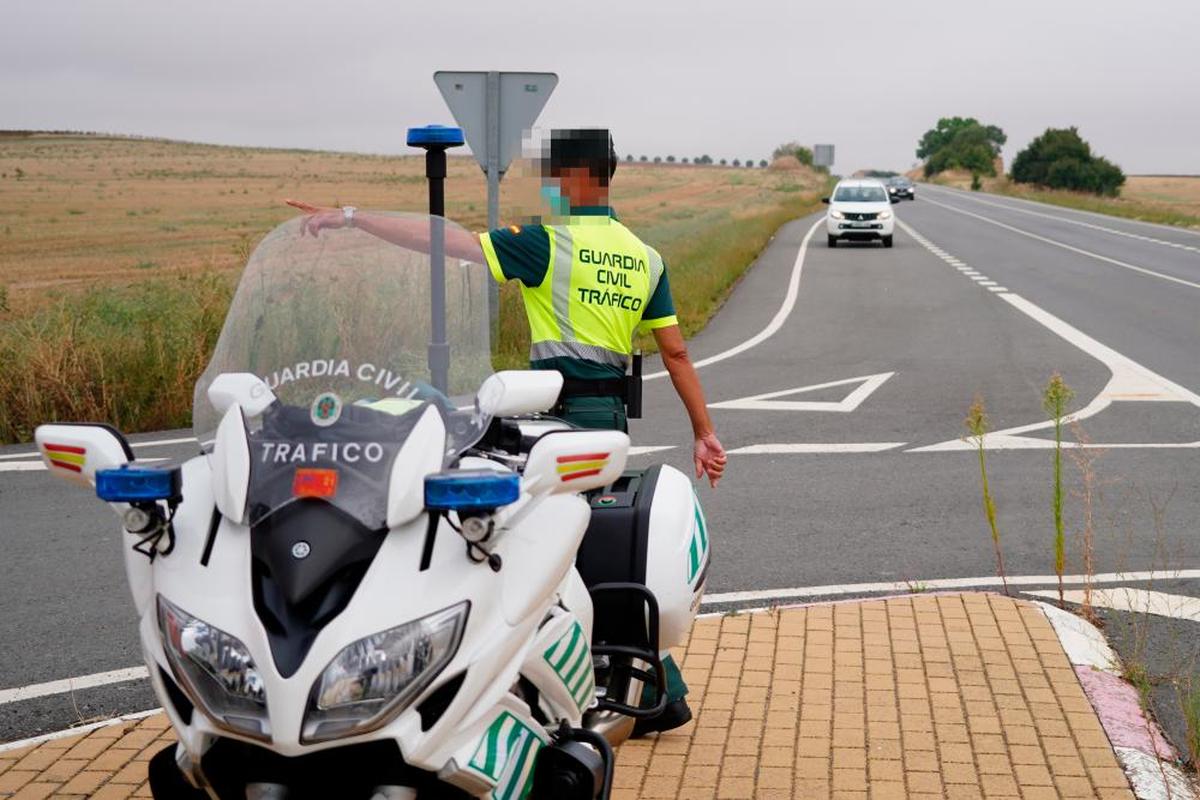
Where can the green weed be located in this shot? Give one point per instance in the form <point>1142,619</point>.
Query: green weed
<point>977,425</point>
<point>1055,398</point>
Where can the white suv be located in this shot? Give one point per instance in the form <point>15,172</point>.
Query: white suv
<point>860,210</point>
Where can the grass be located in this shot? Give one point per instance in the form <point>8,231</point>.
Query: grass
<point>1189,699</point>
<point>1167,200</point>
<point>977,425</point>
<point>110,311</point>
<point>1055,398</point>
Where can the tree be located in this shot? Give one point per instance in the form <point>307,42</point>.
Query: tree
<point>948,127</point>
<point>658,159</point>
<point>643,158</point>
<point>961,144</point>
<point>704,159</point>
<point>1061,159</point>
<point>683,160</point>
<point>629,157</point>
<point>670,159</point>
<point>749,162</point>
<point>722,162</point>
<point>802,154</point>
<point>736,162</point>
<point>762,163</point>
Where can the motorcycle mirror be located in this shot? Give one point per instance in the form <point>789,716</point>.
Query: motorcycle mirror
<point>77,451</point>
<point>243,389</point>
<point>563,462</point>
<point>519,391</point>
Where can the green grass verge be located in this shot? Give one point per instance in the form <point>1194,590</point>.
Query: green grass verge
<point>129,355</point>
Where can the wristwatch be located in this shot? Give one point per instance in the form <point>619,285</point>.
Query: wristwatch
<point>348,215</point>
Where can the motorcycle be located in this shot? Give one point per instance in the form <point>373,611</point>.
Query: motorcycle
<point>388,572</point>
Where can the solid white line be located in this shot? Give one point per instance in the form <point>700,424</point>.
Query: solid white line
<point>35,466</point>
<point>643,450</point>
<point>77,731</point>
<point>785,310</point>
<point>1068,210</point>
<point>1138,601</point>
<point>816,447</point>
<point>30,454</point>
<point>945,583</point>
<point>1078,250</point>
<point>22,466</point>
<point>71,684</point>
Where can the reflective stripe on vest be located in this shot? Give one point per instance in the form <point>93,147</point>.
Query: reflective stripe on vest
<point>597,285</point>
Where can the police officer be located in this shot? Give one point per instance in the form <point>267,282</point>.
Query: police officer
<point>589,285</point>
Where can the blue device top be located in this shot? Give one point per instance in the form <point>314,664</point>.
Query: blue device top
<point>434,136</point>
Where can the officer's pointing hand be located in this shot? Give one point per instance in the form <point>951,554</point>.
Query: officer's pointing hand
<point>710,458</point>
<point>318,218</point>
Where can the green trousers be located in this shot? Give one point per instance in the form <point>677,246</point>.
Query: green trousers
<point>608,413</point>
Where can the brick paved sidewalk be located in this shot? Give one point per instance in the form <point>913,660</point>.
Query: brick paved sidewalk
<point>951,696</point>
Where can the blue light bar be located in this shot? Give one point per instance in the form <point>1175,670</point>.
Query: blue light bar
<point>435,136</point>
<point>139,484</point>
<point>471,490</point>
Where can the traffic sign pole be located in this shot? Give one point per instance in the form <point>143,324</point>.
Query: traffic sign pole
<point>492,105</point>
<point>494,109</point>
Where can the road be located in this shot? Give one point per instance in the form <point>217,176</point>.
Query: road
<point>861,480</point>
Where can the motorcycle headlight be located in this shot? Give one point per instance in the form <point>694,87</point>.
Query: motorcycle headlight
<point>373,679</point>
<point>833,212</point>
<point>216,670</point>
<point>885,215</point>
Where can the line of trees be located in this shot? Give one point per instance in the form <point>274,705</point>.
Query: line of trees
<point>701,159</point>
<point>1059,158</point>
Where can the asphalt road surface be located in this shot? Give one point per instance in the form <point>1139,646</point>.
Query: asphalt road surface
<point>861,479</point>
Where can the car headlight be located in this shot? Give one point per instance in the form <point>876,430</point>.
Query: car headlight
<point>833,212</point>
<point>885,215</point>
<point>373,679</point>
<point>216,670</point>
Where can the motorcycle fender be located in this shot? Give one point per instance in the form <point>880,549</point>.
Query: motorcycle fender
<point>560,666</point>
<point>499,754</point>
<point>677,555</point>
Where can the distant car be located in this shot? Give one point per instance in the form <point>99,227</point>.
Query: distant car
<point>860,211</point>
<point>901,187</point>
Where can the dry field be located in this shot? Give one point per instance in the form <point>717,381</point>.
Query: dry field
<point>80,209</point>
<point>117,256</point>
<point>1169,199</point>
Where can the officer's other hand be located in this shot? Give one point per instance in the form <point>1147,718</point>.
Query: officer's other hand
<point>710,458</point>
<point>318,218</point>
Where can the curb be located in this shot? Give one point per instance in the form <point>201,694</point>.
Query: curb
<point>1147,757</point>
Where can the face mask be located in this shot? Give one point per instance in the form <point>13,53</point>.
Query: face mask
<point>553,197</point>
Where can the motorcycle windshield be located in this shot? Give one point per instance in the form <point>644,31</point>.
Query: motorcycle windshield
<point>355,343</point>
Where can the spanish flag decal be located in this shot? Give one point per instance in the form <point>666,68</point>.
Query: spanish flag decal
<point>581,466</point>
<point>65,456</point>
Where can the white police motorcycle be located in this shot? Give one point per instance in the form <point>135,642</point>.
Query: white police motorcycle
<point>374,580</point>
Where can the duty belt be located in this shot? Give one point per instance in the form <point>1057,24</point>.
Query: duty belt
<point>628,389</point>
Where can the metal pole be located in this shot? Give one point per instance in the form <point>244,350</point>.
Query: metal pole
<point>492,115</point>
<point>435,139</point>
<point>439,348</point>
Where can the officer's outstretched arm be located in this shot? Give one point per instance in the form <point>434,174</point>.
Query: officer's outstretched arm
<point>408,232</point>
<point>708,454</point>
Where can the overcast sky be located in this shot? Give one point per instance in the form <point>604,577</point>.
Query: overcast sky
<point>682,78</point>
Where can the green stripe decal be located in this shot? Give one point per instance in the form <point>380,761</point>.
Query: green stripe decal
<point>571,659</point>
<point>699,546</point>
